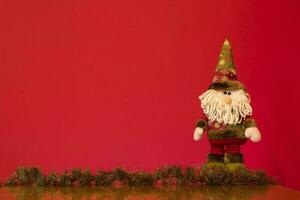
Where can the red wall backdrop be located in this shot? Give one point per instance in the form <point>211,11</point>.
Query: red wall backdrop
<point>102,84</point>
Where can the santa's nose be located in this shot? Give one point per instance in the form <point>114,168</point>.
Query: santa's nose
<point>227,100</point>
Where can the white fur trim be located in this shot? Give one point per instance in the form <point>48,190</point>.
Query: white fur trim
<point>253,134</point>
<point>198,133</point>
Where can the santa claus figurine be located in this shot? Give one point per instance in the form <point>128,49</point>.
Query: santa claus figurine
<point>227,113</point>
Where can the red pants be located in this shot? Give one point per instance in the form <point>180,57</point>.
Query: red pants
<point>220,146</point>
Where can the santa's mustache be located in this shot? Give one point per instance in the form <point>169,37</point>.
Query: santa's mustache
<point>218,110</point>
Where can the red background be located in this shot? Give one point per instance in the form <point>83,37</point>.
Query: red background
<point>102,84</point>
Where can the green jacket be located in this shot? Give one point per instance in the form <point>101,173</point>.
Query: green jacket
<point>221,131</point>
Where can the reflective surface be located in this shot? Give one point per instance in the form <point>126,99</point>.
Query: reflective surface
<point>201,193</point>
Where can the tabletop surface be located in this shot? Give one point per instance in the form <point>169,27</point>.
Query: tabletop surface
<point>273,192</point>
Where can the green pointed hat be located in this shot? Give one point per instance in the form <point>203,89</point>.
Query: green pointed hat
<point>225,75</point>
<point>226,58</point>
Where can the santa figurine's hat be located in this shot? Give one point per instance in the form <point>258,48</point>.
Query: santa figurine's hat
<point>225,75</point>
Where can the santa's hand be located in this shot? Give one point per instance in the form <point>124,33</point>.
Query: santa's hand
<point>198,133</point>
<point>253,134</point>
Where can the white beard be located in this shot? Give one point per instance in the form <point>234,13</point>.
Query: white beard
<point>217,110</point>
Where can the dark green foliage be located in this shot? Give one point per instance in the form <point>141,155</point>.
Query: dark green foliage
<point>210,174</point>
<point>141,179</point>
<point>260,178</point>
<point>190,175</point>
<point>119,174</point>
<point>234,174</point>
<point>41,181</point>
<point>169,175</point>
<point>240,176</point>
<point>12,180</point>
<point>76,174</point>
<point>104,178</point>
<point>86,178</point>
<point>52,179</point>
<point>25,176</point>
<point>66,179</point>
<point>28,175</point>
<point>214,173</point>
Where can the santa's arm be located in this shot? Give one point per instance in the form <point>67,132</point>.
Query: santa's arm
<point>200,128</point>
<point>252,131</point>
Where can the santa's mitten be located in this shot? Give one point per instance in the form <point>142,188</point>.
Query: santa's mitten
<point>198,133</point>
<point>253,134</point>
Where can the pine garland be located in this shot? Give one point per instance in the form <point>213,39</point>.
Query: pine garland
<point>208,174</point>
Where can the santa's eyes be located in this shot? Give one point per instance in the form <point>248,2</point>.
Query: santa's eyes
<point>227,93</point>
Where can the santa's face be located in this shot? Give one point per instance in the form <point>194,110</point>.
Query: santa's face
<point>223,106</point>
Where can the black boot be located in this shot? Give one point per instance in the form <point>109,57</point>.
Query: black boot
<point>215,158</point>
<point>234,158</point>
